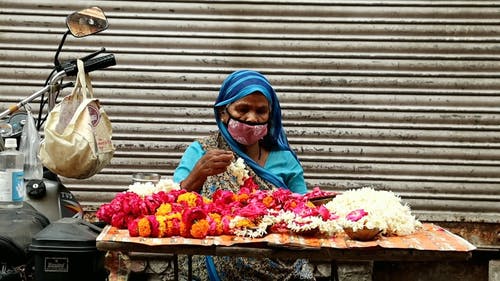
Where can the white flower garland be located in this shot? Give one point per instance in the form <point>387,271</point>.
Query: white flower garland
<point>300,224</point>
<point>385,211</point>
<point>238,170</point>
<point>148,188</point>
<point>293,222</point>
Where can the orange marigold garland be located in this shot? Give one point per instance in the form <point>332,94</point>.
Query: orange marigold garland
<point>144,227</point>
<point>184,229</point>
<point>199,229</point>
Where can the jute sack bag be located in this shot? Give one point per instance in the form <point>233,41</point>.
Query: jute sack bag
<point>78,133</point>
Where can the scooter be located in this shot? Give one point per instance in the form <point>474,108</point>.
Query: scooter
<point>48,195</point>
<point>48,199</point>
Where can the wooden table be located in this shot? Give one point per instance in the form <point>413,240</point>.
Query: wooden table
<point>431,243</point>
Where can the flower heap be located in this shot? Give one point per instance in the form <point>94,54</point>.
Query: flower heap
<point>149,211</point>
<point>165,210</point>
<point>367,208</point>
<point>250,212</point>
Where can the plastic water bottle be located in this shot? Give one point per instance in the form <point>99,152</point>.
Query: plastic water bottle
<point>12,190</point>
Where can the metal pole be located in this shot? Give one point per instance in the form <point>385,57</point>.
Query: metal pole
<point>14,108</point>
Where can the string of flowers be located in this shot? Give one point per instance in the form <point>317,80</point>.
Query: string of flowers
<point>238,170</point>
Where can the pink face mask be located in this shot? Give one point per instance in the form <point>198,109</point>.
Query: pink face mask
<point>246,134</point>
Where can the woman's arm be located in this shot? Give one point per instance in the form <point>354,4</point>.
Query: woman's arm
<point>197,164</point>
<point>283,164</point>
<point>295,179</point>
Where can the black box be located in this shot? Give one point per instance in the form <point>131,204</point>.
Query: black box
<point>66,250</point>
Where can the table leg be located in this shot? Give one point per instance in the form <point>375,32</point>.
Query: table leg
<point>176,267</point>
<point>334,274</point>
<point>190,268</point>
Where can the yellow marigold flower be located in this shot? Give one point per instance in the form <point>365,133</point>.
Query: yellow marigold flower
<point>244,223</point>
<point>215,216</point>
<point>162,229</point>
<point>175,215</point>
<point>199,229</point>
<point>164,209</point>
<point>189,197</point>
<point>144,227</point>
<point>207,200</point>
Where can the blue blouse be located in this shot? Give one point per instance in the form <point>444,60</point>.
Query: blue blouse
<point>282,163</point>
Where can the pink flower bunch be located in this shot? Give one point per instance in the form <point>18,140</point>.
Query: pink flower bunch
<point>127,206</point>
<point>122,209</point>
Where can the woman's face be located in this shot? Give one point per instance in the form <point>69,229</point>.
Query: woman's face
<point>253,108</point>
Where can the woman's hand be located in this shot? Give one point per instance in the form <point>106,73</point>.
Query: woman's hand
<point>212,163</point>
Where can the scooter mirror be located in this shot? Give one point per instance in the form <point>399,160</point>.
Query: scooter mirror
<point>86,22</point>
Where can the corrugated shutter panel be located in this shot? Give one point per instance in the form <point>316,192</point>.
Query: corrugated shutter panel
<point>397,95</point>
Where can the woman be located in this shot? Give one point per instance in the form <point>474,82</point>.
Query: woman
<point>248,115</point>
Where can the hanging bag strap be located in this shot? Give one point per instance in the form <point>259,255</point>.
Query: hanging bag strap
<point>84,81</point>
<point>86,88</point>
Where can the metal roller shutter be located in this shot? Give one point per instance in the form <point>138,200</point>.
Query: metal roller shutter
<point>397,95</point>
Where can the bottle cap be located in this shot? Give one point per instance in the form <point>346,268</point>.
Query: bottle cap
<point>10,143</point>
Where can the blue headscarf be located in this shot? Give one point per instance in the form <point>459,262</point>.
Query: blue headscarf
<point>239,85</point>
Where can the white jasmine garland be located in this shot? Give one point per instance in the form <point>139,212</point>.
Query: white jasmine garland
<point>238,170</point>
<point>385,211</point>
<point>148,188</point>
<point>330,227</point>
<point>294,223</point>
<point>300,224</point>
<point>167,184</point>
